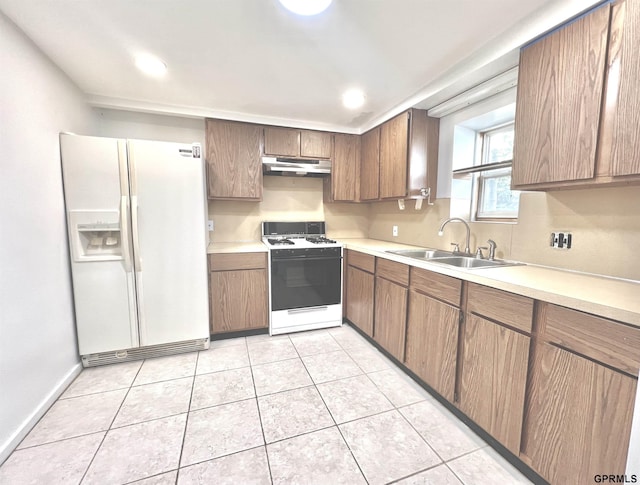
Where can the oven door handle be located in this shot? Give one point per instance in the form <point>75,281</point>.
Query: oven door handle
<point>304,258</point>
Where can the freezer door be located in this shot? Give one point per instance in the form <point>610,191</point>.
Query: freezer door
<point>96,192</point>
<point>169,241</point>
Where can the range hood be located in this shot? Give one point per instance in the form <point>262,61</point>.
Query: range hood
<point>295,167</point>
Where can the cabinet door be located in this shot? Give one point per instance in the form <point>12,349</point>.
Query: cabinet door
<point>621,121</point>
<point>578,417</point>
<point>370,165</point>
<point>494,374</point>
<point>432,342</point>
<point>316,144</point>
<point>390,317</point>
<point>360,299</point>
<point>394,140</point>
<point>233,160</point>
<point>238,300</point>
<point>345,183</point>
<point>560,85</point>
<point>283,142</point>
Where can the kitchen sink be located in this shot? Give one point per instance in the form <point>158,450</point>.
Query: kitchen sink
<point>467,262</point>
<point>422,253</point>
<point>451,259</point>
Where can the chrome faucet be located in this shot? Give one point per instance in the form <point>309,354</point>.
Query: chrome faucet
<point>492,249</point>
<point>466,246</point>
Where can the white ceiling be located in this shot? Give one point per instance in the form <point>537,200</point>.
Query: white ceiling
<point>252,60</point>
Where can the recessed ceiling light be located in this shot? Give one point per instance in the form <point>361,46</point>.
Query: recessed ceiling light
<point>306,7</point>
<point>352,99</point>
<point>150,65</point>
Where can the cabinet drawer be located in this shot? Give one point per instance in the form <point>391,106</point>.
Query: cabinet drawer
<point>439,286</point>
<point>604,340</point>
<point>393,271</point>
<point>501,306</point>
<point>363,261</point>
<point>231,261</point>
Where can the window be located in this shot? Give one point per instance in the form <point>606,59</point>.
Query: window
<point>490,176</point>
<point>495,199</point>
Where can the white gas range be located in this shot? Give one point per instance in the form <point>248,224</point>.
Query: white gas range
<point>305,277</point>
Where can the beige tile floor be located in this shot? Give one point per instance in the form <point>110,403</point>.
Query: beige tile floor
<point>321,407</point>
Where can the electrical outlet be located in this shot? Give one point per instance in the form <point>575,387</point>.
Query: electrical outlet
<point>561,240</point>
<point>395,231</point>
<point>210,225</point>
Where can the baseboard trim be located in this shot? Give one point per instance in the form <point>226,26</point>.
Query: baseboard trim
<point>27,425</point>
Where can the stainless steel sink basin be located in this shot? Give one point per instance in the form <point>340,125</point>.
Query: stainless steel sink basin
<point>451,259</point>
<point>422,253</point>
<point>470,263</point>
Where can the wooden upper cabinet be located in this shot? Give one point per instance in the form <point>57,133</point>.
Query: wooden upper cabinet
<point>295,143</point>
<point>370,165</point>
<point>394,141</point>
<point>281,141</point>
<point>400,157</point>
<point>315,144</point>
<point>620,135</point>
<point>344,183</point>
<point>560,85</point>
<point>234,167</point>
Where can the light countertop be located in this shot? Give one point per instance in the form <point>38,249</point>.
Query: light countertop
<point>237,247</point>
<point>613,298</point>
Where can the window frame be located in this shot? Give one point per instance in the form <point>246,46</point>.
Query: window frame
<point>482,171</point>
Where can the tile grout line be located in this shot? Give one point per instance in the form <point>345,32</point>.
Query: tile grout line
<point>334,419</point>
<point>84,475</point>
<point>186,421</point>
<point>264,438</point>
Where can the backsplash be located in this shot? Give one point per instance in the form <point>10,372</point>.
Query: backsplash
<point>286,199</point>
<point>605,224</point>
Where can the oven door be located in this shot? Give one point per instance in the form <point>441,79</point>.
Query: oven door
<point>302,278</point>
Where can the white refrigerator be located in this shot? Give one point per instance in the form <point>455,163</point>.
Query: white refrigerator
<point>137,240</point>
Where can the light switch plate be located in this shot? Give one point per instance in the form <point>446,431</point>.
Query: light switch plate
<point>395,231</point>
<point>210,225</point>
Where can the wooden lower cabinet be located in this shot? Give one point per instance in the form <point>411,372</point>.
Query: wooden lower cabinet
<point>578,417</point>
<point>390,316</point>
<point>238,292</point>
<point>432,342</point>
<point>360,293</point>
<point>493,380</point>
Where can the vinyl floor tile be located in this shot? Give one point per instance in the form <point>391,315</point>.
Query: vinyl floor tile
<point>60,462</point>
<point>221,430</point>
<point>387,447</point>
<point>138,451</point>
<point>321,457</point>
<point>291,413</point>
<point>246,467</point>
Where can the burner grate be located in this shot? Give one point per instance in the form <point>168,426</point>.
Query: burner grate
<point>283,241</point>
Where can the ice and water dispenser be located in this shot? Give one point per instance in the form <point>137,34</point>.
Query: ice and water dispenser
<point>95,236</point>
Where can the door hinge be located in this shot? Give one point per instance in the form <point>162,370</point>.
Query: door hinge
<point>455,396</point>
<point>461,318</point>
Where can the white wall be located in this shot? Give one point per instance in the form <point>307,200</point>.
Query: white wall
<point>38,353</point>
<point>144,126</point>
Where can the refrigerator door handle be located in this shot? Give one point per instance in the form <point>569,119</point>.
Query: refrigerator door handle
<point>137,261</point>
<point>124,233</point>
